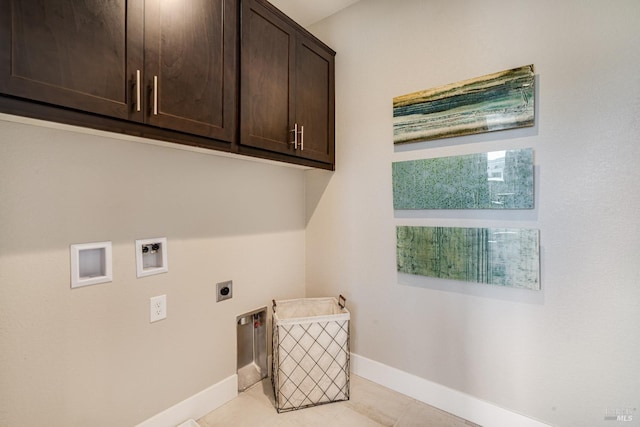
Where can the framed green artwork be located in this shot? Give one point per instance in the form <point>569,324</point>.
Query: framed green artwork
<point>497,256</point>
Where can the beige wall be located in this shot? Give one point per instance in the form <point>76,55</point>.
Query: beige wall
<point>563,355</point>
<point>89,356</point>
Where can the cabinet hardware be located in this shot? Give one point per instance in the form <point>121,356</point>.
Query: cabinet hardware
<point>295,136</point>
<point>155,95</point>
<point>295,141</point>
<point>138,107</point>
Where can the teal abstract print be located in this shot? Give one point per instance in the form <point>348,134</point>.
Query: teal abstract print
<point>497,101</point>
<point>494,180</point>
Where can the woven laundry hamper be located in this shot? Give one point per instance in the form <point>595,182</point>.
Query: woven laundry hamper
<point>310,364</point>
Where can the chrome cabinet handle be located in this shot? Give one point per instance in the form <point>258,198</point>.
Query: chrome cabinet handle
<point>295,136</point>
<point>138,91</point>
<point>301,138</point>
<point>155,95</point>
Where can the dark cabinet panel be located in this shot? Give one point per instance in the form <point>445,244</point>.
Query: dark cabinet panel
<point>267,46</point>
<point>287,81</point>
<point>190,66</point>
<point>315,101</point>
<point>70,53</point>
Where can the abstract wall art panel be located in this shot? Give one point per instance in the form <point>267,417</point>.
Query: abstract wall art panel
<point>497,256</point>
<point>494,180</point>
<point>503,100</point>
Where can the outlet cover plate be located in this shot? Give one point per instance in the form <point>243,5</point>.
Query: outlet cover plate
<point>157,308</point>
<point>224,290</point>
<point>151,261</point>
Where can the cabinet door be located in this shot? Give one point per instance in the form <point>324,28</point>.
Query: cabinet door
<point>190,66</point>
<point>71,53</point>
<point>314,101</point>
<point>266,66</point>
<point>287,82</point>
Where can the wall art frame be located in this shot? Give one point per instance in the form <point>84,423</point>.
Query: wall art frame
<point>498,101</point>
<point>492,180</point>
<point>507,257</point>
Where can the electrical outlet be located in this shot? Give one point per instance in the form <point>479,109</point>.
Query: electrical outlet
<point>158,308</point>
<point>224,290</point>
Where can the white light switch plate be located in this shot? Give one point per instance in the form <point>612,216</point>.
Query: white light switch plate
<point>158,308</point>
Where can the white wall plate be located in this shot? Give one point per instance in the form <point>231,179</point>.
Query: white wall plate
<point>151,256</point>
<point>91,264</point>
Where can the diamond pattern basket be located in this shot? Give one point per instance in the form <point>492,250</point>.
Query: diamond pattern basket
<point>310,364</point>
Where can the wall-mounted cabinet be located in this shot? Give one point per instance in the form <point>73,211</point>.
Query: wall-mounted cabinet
<point>166,63</point>
<point>190,66</point>
<point>169,70</point>
<point>287,86</point>
<point>72,54</point>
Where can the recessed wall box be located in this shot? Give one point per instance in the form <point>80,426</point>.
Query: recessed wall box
<point>90,264</point>
<point>224,290</point>
<point>151,256</point>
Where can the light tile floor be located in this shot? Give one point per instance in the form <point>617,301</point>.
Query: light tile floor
<point>370,405</point>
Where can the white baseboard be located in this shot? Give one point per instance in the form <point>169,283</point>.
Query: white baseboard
<point>197,405</point>
<point>449,400</point>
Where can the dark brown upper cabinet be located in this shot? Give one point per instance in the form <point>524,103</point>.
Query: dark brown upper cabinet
<point>166,63</point>
<point>191,67</point>
<point>286,85</point>
<point>70,53</point>
<point>169,70</point>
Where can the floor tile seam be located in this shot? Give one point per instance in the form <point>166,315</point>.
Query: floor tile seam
<point>354,413</point>
<point>373,413</point>
<point>443,413</point>
<point>242,400</point>
<point>258,395</point>
<point>451,420</point>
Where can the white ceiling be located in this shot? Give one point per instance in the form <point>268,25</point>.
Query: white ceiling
<point>308,12</point>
